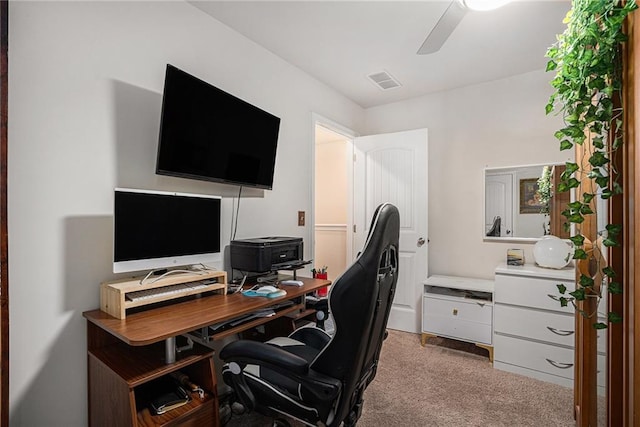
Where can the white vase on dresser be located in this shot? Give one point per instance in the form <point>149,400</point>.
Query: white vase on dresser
<point>533,334</point>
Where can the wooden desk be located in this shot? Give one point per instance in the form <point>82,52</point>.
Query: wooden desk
<point>127,357</point>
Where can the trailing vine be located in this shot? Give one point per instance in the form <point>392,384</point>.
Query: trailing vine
<point>544,189</point>
<point>587,59</point>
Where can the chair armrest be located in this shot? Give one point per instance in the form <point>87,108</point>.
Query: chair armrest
<point>259,353</point>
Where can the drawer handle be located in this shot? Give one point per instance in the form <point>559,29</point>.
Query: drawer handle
<point>481,304</point>
<point>559,365</point>
<point>455,311</point>
<point>560,331</point>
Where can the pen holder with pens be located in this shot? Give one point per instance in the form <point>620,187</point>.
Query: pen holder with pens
<point>321,274</point>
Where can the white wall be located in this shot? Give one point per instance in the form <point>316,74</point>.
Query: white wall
<point>85,84</point>
<point>528,224</point>
<point>331,196</point>
<point>500,123</point>
<point>331,182</point>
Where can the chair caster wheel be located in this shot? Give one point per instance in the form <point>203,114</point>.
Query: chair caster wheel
<point>279,422</point>
<point>238,408</point>
<point>225,414</point>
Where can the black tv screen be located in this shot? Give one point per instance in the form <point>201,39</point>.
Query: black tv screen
<point>211,135</point>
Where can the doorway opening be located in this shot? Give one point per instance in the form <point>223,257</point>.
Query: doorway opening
<point>333,197</point>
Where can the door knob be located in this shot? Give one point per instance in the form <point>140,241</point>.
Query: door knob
<point>421,241</point>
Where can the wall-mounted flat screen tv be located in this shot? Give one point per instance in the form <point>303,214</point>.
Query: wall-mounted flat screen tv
<point>156,230</point>
<point>211,135</point>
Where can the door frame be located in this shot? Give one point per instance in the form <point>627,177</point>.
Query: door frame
<point>349,135</point>
<point>4,245</point>
<point>414,254</point>
<point>512,210</point>
<point>623,373</point>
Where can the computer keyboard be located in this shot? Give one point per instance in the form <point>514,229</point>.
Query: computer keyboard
<point>171,290</point>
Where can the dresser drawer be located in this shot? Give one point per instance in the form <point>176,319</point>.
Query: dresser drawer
<point>546,326</point>
<point>530,292</point>
<point>468,321</point>
<point>540,357</point>
<point>545,358</point>
<point>557,328</point>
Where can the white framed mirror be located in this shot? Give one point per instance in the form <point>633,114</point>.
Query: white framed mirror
<point>514,207</point>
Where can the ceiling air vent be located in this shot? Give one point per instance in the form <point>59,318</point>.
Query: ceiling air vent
<point>384,80</point>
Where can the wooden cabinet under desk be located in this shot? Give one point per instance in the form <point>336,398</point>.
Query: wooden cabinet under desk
<point>121,378</point>
<point>127,357</point>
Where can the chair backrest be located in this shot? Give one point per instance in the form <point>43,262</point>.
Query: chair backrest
<point>360,301</point>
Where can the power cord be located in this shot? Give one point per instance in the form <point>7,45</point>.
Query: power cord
<point>203,267</point>
<point>234,228</point>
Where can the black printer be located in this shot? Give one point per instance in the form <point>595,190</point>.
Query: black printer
<point>264,254</point>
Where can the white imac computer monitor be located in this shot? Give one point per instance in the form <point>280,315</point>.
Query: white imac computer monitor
<point>157,230</point>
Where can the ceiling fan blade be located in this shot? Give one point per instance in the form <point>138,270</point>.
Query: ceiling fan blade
<point>443,28</point>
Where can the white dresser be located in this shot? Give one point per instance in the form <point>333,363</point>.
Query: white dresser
<point>533,334</point>
<point>460,308</point>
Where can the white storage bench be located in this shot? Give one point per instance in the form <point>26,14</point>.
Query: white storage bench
<point>460,308</point>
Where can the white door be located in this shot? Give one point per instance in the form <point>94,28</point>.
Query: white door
<point>498,202</point>
<point>393,168</point>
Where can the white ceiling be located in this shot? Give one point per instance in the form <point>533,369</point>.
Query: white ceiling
<point>341,42</point>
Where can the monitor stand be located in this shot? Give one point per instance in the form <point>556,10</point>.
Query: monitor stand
<point>164,273</point>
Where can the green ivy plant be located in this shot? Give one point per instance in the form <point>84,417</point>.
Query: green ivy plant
<point>544,189</point>
<point>587,59</point>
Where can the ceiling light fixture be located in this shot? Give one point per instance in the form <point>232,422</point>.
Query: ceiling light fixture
<point>484,4</point>
<point>450,19</point>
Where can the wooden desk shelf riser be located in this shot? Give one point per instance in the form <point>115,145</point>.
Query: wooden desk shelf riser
<point>113,295</point>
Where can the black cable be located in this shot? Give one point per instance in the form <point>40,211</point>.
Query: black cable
<point>232,220</point>
<point>237,214</point>
<point>234,229</point>
<point>231,225</point>
<point>242,274</point>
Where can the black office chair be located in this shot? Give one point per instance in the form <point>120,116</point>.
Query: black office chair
<point>321,306</point>
<point>313,377</point>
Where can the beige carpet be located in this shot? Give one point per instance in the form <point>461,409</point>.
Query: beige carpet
<point>440,386</point>
<point>448,383</point>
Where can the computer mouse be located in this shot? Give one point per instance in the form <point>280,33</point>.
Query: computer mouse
<point>276,294</point>
<point>291,282</point>
<point>266,289</point>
